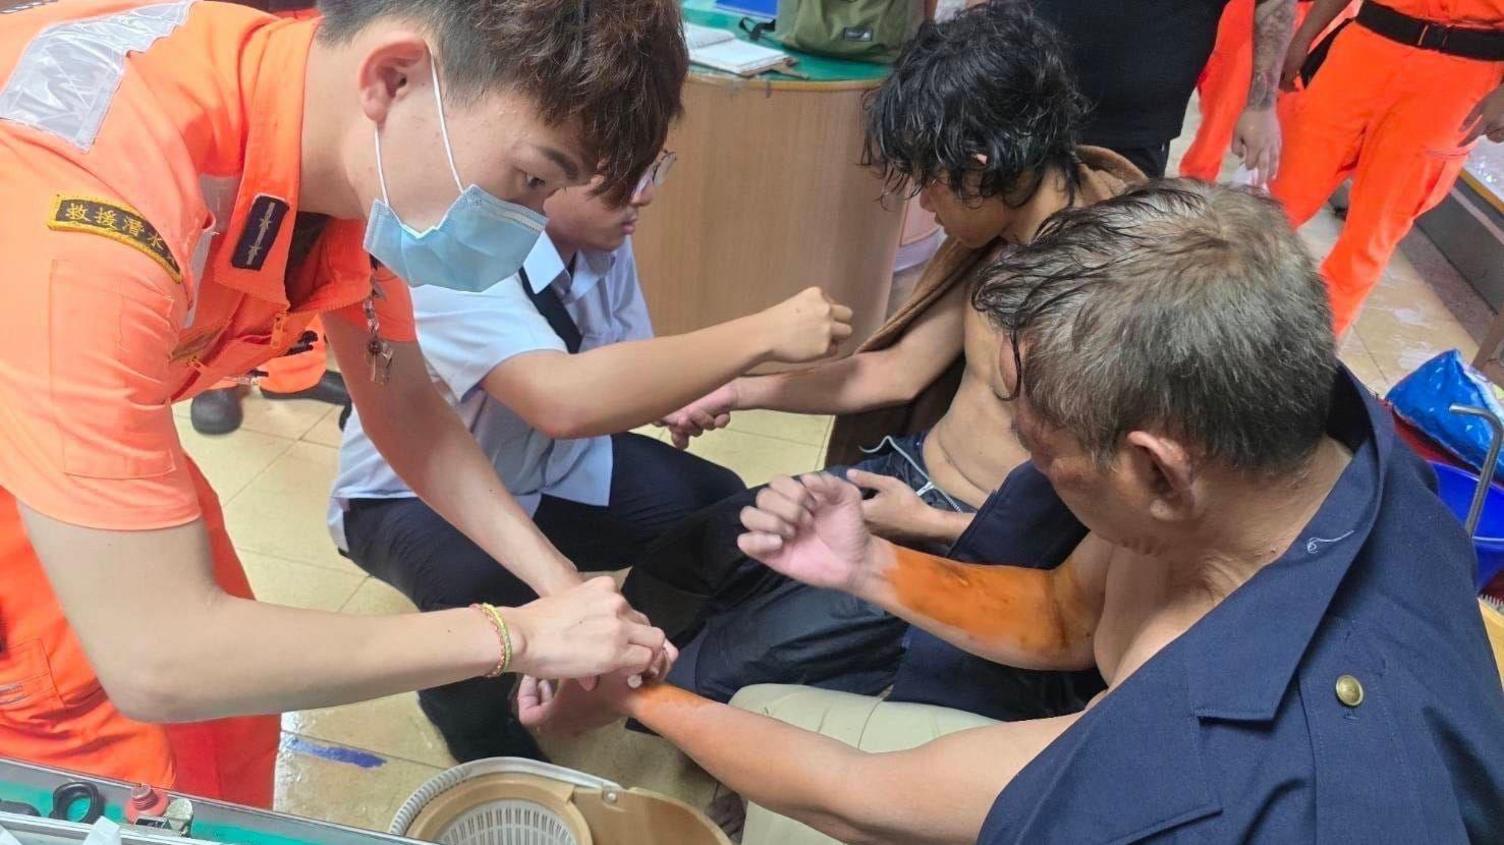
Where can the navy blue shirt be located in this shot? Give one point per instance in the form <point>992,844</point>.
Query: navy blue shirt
<point>1235,732</point>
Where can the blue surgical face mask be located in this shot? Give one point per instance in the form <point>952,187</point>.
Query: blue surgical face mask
<point>480,240</point>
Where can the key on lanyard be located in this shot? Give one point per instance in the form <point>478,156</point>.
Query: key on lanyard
<point>378,351</point>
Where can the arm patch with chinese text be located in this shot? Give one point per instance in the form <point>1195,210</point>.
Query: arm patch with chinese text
<point>116,222</point>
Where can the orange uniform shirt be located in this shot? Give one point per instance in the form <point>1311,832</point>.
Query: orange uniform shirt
<point>149,169</point>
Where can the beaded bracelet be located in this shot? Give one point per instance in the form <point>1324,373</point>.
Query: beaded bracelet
<point>503,637</point>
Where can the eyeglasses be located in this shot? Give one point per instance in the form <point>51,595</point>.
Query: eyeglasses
<point>655,174</point>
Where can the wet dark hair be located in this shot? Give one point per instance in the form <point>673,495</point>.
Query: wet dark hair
<point>992,81</point>
<point>618,66</point>
<point>1180,306</point>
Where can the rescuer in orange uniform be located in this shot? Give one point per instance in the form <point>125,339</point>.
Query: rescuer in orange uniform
<point>1404,91</point>
<point>1223,92</point>
<point>1223,88</point>
<point>303,373</point>
<point>186,186</point>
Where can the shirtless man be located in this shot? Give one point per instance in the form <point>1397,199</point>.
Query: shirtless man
<point>1250,579</point>
<point>973,81</point>
<point>959,465</point>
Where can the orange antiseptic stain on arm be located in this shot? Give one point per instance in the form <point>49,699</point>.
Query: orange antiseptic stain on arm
<point>674,713</point>
<point>663,700</point>
<point>1004,609</point>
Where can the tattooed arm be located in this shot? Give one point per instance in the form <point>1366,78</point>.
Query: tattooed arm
<point>1273,21</point>
<point>1257,138</point>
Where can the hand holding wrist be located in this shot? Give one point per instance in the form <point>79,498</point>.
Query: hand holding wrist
<point>582,633</point>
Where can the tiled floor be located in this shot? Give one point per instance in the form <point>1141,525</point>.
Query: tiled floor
<point>356,764</point>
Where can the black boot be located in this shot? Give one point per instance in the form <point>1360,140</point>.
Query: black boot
<point>216,411</point>
<point>330,389</point>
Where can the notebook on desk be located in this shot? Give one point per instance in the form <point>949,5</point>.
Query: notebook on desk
<point>763,10</point>
<point>719,49</point>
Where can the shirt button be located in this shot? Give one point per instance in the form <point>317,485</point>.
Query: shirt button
<point>1349,691</point>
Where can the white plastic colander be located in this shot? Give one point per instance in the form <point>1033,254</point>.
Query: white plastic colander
<point>512,801</point>
<point>500,801</point>
<point>507,822</point>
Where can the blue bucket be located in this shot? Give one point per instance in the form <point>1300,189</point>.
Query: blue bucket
<point>1456,488</point>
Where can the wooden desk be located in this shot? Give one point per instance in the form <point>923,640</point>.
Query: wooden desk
<point>767,198</point>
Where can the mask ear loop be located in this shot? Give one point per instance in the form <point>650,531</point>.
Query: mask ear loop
<point>433,66</point>
<point>380,171</point>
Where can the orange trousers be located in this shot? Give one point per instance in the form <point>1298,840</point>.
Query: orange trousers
<point>53,711</point>
<point>1389,117</point>
<point>1223,87</point>
<point>1223,91</point>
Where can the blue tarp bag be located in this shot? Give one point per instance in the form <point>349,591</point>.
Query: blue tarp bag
<point>1425,399</point>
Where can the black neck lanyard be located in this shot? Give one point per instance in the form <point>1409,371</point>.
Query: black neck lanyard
<point>552,308</point>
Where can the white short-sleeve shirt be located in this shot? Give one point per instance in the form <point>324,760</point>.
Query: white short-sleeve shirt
<point>466,335</point>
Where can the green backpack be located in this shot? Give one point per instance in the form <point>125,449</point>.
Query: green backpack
<point>869,30</point>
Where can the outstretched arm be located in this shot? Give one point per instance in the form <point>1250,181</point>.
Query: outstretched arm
<point>617,387</point>
<point>812,530</point>
<point>216,655</point>
<point>939,792</point>
<point>1030,618</point>
<point>859,382</point>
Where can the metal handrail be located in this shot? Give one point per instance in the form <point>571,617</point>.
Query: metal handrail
<point>1485,472</point>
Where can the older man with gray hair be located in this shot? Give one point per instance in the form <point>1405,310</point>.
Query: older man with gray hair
<point>1279,603</point>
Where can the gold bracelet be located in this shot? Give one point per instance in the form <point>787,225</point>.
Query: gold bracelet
<point>506,637</point>
<point>502,637</point>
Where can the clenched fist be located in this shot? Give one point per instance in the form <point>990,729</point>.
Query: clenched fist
<point>805,327</point>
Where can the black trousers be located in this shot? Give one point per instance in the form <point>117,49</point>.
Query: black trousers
<point>406,544</point>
